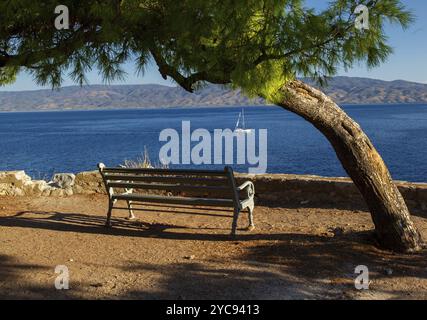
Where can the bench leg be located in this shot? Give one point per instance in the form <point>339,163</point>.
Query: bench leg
<point>251,217</point>
<point>108,224</point>
<point>235,219</point>
<point>131,215</point>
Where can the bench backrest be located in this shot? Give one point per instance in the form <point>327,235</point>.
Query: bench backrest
<point>217,183</point>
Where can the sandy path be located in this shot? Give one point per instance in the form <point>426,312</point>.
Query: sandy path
<point>185,253</point>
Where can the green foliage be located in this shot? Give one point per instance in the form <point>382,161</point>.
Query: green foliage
<point>265,80</point>
<point>251,44</point>
<point>8,75</point>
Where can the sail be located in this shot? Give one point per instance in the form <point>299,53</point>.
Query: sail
<point>241,120</point>
<point>238,121</point>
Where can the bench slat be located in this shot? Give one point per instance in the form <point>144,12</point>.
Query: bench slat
<point>174,200</point>
<point>166,171</point>
<point>165,179</point>
<point>174,187</point>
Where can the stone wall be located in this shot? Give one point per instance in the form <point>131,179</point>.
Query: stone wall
<point>304,190</point>
<point>18,183</point>
<point>271,189</point>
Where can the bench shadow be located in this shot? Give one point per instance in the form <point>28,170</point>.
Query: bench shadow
<point>85,223</point>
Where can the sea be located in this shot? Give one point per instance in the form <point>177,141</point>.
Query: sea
<point>44,143</point>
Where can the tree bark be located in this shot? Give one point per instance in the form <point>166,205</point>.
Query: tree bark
<point>394,229</point>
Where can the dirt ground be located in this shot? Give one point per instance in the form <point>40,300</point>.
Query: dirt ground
<point>186,253</point>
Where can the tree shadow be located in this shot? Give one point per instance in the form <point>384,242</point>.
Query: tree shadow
<point>296,267</point>
<point>316,255</point>
<point>314,204</point>
<point>350,205</point>
<point>221,281</point>
<point>281,266</point>
<point>14,285</point>
<point>9,267</point>
<point>334,259</point>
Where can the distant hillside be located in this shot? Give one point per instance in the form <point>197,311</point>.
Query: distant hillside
<point>344,90</point>
<point>347,90</point>
<point>120,97</point>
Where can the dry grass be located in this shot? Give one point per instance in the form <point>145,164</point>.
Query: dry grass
<point>143,161</point>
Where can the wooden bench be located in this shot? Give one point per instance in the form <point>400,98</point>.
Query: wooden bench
<point>183,187</point>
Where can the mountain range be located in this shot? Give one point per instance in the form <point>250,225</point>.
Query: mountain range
<point>344,90</point>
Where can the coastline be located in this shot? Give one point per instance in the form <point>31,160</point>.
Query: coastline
<point>421,104</point>
<point>140,109</point>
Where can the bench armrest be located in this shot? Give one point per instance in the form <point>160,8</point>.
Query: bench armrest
<point>249,187</point>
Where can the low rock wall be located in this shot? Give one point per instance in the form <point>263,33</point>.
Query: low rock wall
<point>271,189</point>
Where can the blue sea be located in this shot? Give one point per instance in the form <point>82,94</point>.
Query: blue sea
<point>43,143</point>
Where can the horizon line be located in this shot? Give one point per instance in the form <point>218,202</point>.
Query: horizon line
<point>4,90</point>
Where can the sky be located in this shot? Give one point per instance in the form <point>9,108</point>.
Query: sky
<point>408,62</point>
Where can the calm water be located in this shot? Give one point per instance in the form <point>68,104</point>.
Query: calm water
<point>43,143</point>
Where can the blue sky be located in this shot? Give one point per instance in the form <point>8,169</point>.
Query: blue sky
<point>409,61</point>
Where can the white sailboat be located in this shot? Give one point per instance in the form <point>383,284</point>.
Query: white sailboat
<point>241,120</point>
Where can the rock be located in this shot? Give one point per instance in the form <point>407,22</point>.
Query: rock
<point>36,187</point>
<point>8,189</point>
<point>68,192</point>
<point>192,257</point>
<point>46,192</point>
<point>19,193</point>
<point>63,180</point>
<point>4,189</point>
<point>16,178</point>
<point>57,193</point>
<point>89,182</point>
<point>77,190</point>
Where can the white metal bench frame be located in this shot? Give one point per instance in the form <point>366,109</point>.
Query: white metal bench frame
<point>131,179</point>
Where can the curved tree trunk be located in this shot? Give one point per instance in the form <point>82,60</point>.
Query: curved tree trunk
<point>393,226</point>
